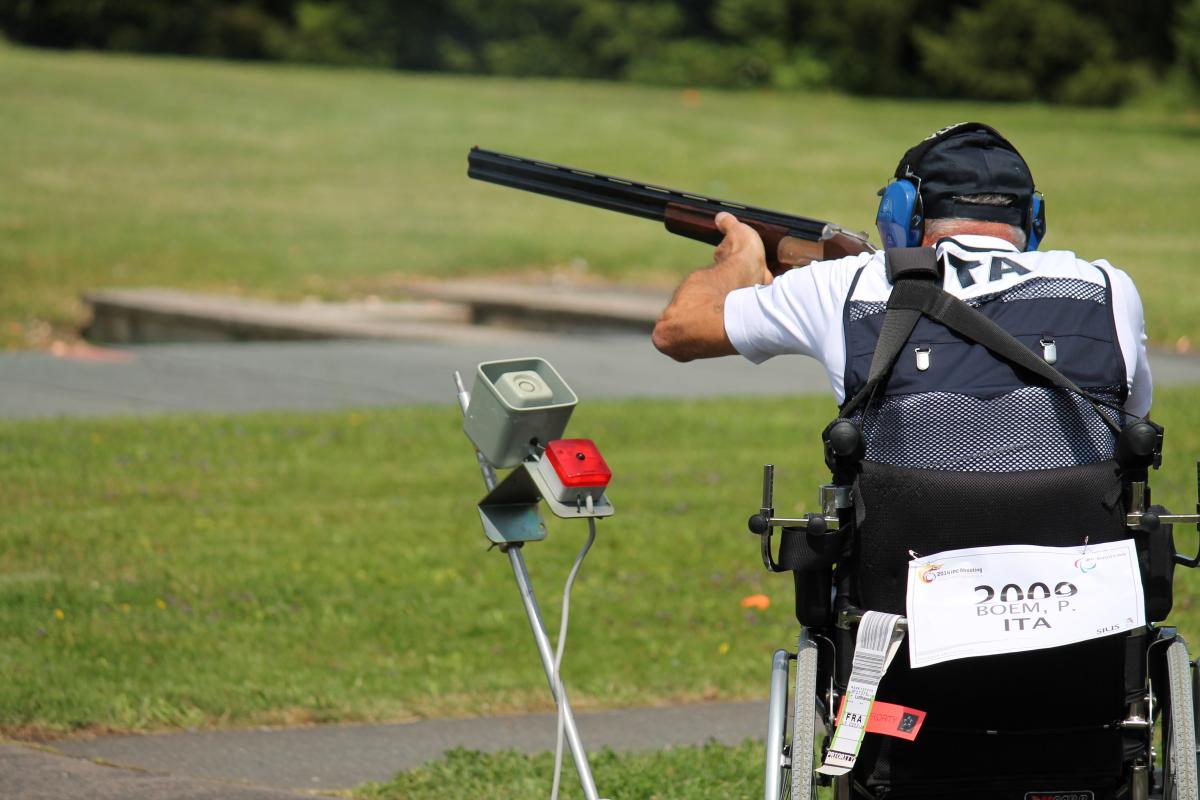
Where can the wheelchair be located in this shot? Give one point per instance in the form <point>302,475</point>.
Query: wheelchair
<point>1108,718</point>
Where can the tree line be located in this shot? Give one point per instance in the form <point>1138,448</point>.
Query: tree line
<point>1088,52</point>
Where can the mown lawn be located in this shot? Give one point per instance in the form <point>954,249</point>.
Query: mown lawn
<point>712,772</point>
<point>278,567</point>
<point>288,567</point>
<point>291,181</point>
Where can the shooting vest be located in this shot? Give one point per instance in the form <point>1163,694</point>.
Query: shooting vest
<point>950,404</point>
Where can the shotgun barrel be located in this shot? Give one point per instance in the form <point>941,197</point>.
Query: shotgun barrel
<point>790,240</point>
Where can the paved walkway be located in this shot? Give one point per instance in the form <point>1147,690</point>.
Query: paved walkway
<point>152,379</point>
<point>354,374</point>
<point>28,773</point>
<point>331,757</point>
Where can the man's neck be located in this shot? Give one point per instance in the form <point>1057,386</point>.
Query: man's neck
<point>997,230</point>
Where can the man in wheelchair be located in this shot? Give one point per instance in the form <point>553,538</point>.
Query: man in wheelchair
<point>992,396</point>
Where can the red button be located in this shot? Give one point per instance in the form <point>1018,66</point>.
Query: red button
<point>578,462</point>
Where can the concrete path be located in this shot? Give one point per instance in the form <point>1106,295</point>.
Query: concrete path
<point>152,379</point>
<point>354,374</point>
<point>343,756</point>
<point>28,773</point>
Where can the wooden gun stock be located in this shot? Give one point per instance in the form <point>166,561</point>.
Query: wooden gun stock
<point>784,250</point>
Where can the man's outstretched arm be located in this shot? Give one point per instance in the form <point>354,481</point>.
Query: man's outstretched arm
<point>693,323</point>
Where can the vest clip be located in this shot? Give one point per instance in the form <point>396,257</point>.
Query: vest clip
<point>923,357</point>
<point>1049,349</point>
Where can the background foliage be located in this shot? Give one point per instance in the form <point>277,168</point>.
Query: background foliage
<point>1071,51</point>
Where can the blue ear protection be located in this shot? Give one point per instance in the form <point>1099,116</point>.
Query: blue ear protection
<point>1035,230</point>
<point>901,219</point>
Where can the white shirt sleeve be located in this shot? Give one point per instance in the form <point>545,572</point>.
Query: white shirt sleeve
<point>1131,331</point>
<point>799,312</point>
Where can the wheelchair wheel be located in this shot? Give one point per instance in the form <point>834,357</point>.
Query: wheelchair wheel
<point>804,721</point>
<point>1179,728</point>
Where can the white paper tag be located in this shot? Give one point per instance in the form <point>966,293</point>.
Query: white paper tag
<point>875,647</point>
<point>991,600</point>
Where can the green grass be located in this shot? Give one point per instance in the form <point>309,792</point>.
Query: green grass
<point>290,181</point>
<point>711,772</point>
<point>325,567</point>
<point>319,567</point>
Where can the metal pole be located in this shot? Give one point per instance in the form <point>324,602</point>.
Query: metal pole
<point>547,653</point>
<point>776,724</point>
<point>517,560</point>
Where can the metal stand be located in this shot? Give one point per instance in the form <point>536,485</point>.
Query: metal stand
<point>543,645</point>
<point>528,520</point>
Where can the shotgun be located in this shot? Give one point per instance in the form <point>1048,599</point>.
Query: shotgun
<point>790,241</point>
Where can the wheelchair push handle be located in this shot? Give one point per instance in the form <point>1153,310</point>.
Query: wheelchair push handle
<point>1194,561</point>
<point>833,499</point>
<point>1142,518</point>
<point>760,522</point>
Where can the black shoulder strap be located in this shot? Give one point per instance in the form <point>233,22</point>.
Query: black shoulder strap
<point>911,262</point>
<point>907,265</point>
<point>914,295</point>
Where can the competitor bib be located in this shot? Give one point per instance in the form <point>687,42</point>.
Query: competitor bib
<point>1010,598</point>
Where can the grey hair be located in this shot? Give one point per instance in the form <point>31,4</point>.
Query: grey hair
<point>949,226</point>
<point>1001,200</point>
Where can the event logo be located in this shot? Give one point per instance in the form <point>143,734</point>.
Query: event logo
<point>1085,564</point>
<point>931,572</point>
<point>928,572</point>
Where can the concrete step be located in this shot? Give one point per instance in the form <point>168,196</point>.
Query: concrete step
<point>551,305</point>
<point>459,311</point>
<point>155,315</point>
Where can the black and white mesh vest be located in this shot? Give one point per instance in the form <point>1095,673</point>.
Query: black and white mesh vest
<point>949,404</point>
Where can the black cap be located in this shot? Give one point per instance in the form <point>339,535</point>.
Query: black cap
<point>965,159</point>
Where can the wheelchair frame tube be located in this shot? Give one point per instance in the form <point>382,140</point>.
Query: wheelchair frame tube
<point>776,724</point>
